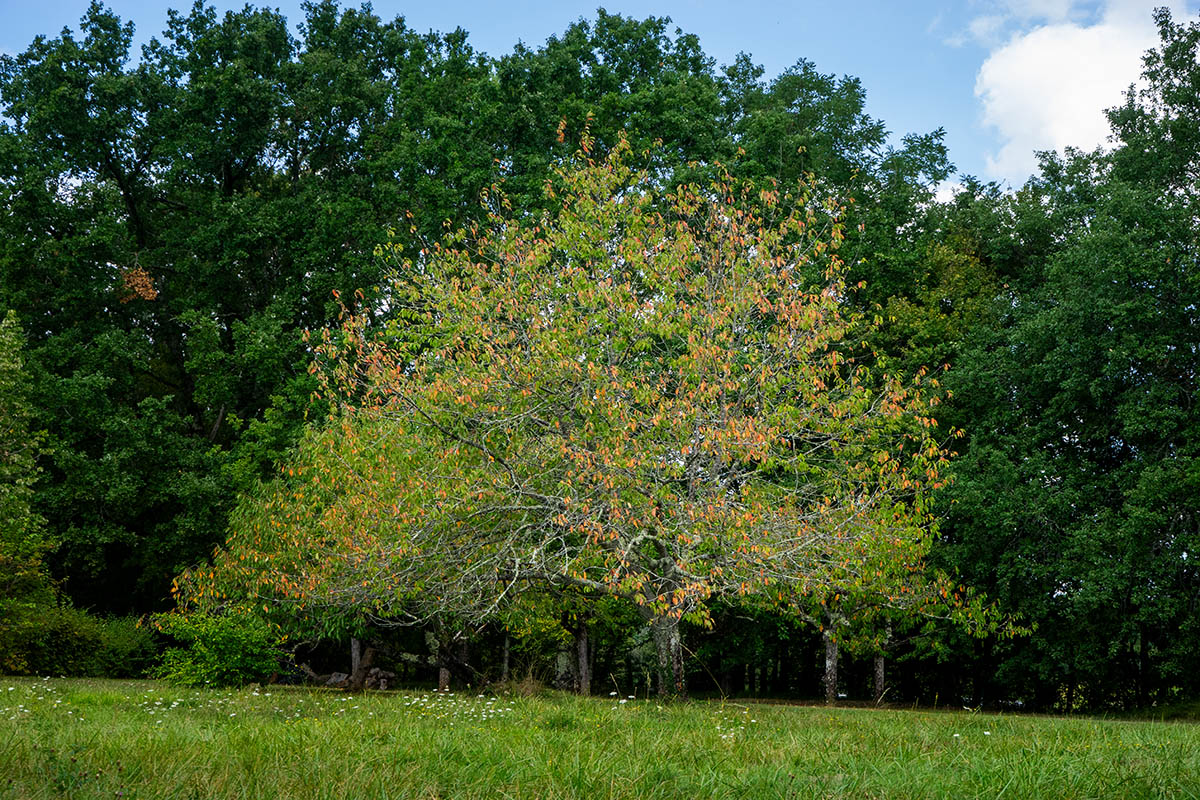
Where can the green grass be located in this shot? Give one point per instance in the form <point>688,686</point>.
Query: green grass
<point>92,739</point>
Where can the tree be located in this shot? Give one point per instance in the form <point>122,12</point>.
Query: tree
<point>626,77</point>
<point>802,121</point>
<point>1073,503</point>
<point>645,395</point>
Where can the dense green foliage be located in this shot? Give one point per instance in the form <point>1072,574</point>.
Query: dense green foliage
<point>174,220</point>
<point>225,650</point>
<point>25,587</point>
<point>1075,499</point>
<point>106,738</point>
<point>22,533</point>
<point>62,640</point>
<point>41,633</point>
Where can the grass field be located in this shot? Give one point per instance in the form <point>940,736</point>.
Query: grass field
<point>106,739</point>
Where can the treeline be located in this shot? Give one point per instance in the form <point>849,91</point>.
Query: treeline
<point>173,222</point>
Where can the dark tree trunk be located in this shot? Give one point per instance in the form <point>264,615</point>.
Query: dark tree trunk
<point>464,659</point>
<point>727,681</point>
<point>1143,667</point>
<point>583,671</point>
<point>505,656</point>
<point>831,666</point>
<point>668,643</point>
<point>780,686</point>
<point>981,674</point>
<point>591,659</point>
<point>443,663</point>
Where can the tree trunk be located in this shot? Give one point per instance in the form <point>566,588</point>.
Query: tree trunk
<point>1143,666</point>
<point>583,672</point>
<point>880,675</point>
<point>981,674</point>
<point>464,659</point>
<point>361,661</point>
<point>505,656</point>
<point>443,678</point>
<point>443,662</point>
<point>669,645</point>
<point>565,678</point>
<point>831,666</point>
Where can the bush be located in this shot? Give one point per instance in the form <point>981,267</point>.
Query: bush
<point>62,640</point>
<point>129,649</point>
<point>231,649</point>
<point>54,640</point>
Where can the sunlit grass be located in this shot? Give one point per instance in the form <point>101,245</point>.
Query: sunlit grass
<point>92,739</point>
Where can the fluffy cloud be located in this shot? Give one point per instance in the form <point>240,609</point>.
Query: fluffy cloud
<point>1046,87</point>
<point>945,191</point>
<point>996,20</point>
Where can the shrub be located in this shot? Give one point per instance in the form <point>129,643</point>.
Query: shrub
<point>128,649</point>
<point>62,640</point>
<point>231,649</point>
<point>54,640</point>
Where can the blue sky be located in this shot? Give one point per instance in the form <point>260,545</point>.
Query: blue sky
<point>1003,77</point>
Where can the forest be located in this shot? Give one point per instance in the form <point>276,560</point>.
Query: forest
<point>596,364</point>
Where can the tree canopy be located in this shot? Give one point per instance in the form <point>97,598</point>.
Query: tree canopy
<point>647,393</point>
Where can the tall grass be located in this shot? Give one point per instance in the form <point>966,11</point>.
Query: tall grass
<point>93,739</point>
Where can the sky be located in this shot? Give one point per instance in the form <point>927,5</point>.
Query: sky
<point>1004,78</point>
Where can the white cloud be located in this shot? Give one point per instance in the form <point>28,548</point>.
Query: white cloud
<point>987,28</point>
<point>1049,10</point>
<point>996,20</point>
<point>1047,87</point>
<point>945,191</point>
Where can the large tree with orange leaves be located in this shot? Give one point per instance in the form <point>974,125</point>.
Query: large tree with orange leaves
<point>648,393</point>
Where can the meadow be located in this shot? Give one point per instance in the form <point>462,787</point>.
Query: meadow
<point>141,739</point>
